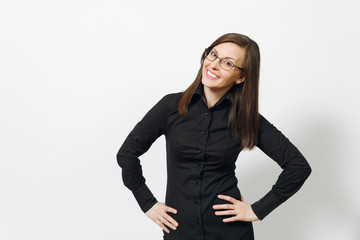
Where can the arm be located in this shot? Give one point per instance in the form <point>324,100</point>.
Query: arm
<point>139,140</point>
<point>295,167</point>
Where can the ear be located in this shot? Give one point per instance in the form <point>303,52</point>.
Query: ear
<point>241,79</point>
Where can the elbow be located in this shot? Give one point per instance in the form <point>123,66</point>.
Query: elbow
<point>120,158</point>
<point>302,167</point>
<point>308,171</point>
<point>127,161</point>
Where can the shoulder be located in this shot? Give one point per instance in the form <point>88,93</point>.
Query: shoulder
<point>168,102</point>
<point>262,119</point>
<point>264,124</point>
<point>172,96</point>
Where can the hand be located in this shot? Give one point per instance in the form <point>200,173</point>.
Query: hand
<point>241,209</point>
<point>158,214</point>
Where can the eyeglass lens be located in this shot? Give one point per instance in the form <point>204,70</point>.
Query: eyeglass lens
<point>224,62</point>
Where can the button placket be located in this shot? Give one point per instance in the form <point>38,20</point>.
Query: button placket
<point>196,178</point>
<point>204,132</point>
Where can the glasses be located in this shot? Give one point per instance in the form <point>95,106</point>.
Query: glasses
<point>225,63</point>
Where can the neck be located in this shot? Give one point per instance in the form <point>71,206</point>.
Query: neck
<point>212,96</point>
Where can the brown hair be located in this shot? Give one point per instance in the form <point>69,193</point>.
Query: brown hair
<point>243,118</point>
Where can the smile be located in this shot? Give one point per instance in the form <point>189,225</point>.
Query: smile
<point>211,75</point>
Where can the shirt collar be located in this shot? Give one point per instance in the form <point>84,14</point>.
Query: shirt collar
<point>199,92</point>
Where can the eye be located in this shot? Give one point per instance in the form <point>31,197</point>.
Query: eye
<point>212,53</point>
<point>228,63</point>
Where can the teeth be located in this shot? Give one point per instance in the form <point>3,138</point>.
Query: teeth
<point>212,75</point>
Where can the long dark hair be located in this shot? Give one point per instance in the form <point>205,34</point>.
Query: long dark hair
<point>244,114</point>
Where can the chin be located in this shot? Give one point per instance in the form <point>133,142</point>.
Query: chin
<point>208,83</point>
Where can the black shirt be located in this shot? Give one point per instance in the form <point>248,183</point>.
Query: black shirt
<point>201,156</point>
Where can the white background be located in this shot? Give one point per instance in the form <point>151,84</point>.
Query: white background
<point>76,76</point>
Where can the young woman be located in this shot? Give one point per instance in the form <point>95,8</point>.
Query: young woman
<point>206,127</point>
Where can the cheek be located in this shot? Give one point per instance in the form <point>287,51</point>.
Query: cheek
<point>205,66</point>
<point>227,78</point>
<point>203,69</point>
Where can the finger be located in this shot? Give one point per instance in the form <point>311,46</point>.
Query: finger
<point>223,206</point>
<point>170,209</point>
<point>168,223</point>
<point>229,212</point>
<point>227,198</point>
<point>171,220</point>
<point>159,222</point>
<point>232,219</point>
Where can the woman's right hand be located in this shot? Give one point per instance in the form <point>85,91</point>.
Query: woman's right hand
<point>158,213</point>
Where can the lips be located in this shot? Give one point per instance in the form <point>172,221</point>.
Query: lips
<point>211,75</point>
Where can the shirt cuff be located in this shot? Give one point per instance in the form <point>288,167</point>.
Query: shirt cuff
<point>265,205</point>
<point>144,197</point>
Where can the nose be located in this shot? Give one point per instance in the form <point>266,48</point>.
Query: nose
<point>215,64</point>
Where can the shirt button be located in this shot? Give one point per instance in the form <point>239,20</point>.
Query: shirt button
<point>203,132</point>
<point>207,114</point>
<point>200,150</point>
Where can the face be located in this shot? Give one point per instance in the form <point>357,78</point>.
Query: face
<point>223,79</point>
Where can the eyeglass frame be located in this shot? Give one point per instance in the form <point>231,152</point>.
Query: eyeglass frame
<point>207,52</point>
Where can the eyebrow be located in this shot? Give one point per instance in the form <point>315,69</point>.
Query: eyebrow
<point>224,57</point>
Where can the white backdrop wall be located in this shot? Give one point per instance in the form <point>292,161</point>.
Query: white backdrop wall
<point>76,76</point>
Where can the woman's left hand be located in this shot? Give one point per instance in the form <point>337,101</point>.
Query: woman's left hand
<point>241,209</point>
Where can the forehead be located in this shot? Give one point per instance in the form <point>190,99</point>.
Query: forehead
<point>229,50</point>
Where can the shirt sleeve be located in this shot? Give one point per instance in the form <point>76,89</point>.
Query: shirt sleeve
<point>139,140</point>
<point>295,167</point>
